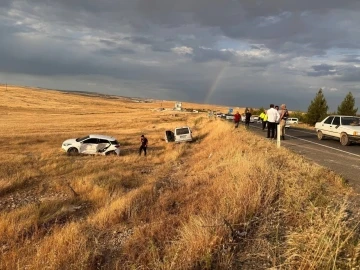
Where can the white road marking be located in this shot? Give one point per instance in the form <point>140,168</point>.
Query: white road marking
<point>312,133</point>
<point>342,151</point>
<point>324,146</point>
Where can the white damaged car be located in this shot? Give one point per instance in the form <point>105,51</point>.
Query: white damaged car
<point>341,127</point>
<point>92,145</point>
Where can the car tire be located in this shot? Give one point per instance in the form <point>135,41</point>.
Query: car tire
<point>111,153</point>
<point>73,151</point>
<point>344,139</point>
<point>320,135</point>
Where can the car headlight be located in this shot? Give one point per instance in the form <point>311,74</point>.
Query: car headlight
<point>355,133</point>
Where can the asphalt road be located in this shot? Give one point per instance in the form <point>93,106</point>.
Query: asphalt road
<point>344,160</point>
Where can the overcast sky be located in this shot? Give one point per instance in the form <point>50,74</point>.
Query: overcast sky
<point>230,52</point>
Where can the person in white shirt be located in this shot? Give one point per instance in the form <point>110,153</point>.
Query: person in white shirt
<point>273,118</point>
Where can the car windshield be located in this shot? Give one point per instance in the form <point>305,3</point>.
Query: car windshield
<point>81,139</point>
<point>182,131</point>
<point>114,142</point>
<point>350,121</point>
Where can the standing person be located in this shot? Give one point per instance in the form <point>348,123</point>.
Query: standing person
<point>237,118</point>
<point>262,116</point>
<point>247,117</point>
<point>273,117</point>
<point>264,120</point>
<point>284,114</point>
<point>277,123</point>
<point>144,144</point>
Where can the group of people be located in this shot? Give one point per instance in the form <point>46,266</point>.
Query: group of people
<point>237,118</point>
<point>271,118</point>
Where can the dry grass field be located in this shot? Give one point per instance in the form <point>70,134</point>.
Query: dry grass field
<point>229,200</point>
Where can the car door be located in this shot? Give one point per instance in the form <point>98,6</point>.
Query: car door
<point>102,145</point>
<point>334,131</point>
<point>325,126</point>
<point>89,146</point>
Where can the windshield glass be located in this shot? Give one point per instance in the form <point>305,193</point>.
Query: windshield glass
<point>350,121</point>
<point>81,139</point>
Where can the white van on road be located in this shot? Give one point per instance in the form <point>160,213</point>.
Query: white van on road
<point>291,121</point>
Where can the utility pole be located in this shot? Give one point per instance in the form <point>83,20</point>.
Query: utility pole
<point>278,143</point>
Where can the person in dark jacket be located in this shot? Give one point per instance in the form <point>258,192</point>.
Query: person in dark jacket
<point>237,119</point>
<point>143,146</point>
<point>247,117</point>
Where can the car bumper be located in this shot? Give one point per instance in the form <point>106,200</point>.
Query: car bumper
<point>354,138</point>
<point>184,140</point>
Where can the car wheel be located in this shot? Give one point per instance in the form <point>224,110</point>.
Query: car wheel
<point>320,135</point>
<point>73,151</point>
<point>344,139</point>
<point>111,153</point>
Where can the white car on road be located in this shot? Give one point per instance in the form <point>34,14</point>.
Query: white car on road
<point>291,121</point>
<point>344,128</point>
<point>229,117</point>
<point>92,144</point>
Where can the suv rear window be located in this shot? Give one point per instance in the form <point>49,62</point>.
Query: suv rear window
<point>182,131</point>
<point>114,142</point>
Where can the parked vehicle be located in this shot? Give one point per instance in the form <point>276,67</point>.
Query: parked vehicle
<point>229,117</point>
<point>291,121</point>
<point>92,144</point>
<point>255,118</point>
<point>341,127</point>
<point>180,134</point>
<point>243,116</point>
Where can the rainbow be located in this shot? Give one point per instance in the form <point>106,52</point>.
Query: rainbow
<point>215,83</point>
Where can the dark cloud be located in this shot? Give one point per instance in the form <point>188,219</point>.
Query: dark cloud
<point>349,74</point>
<point>140,40</point>
<point>323,67</point>
<point>351,59</point>
<point>268,47</point>
<point>115,51</point>
<point>205,55</point>
<point>322,70</point>
<point>5,3</point>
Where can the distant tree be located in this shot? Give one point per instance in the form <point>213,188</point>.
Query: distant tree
<point>318,108</point>
<point>347,106</point>
<point>257,112</point>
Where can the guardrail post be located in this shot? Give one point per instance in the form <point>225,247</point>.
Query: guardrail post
<point>278,144</point>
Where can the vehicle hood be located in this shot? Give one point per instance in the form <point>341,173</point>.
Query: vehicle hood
<point>70,141</point>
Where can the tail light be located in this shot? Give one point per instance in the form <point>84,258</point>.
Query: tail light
<point>117,146</point>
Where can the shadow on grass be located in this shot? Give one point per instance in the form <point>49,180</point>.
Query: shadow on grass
<point>19,185</point>
<point>199,138</point>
